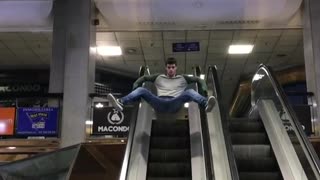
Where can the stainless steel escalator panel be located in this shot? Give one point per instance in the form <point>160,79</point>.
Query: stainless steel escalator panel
<point>269,100</point>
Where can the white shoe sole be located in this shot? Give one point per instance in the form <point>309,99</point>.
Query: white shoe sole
<point>114,102</point>
<point>211,103</point>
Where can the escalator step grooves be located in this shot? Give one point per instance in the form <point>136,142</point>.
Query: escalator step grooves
<point>246,126</point>
<point>257,164</point>
<point>169,155</point>
<point>169,170</point>
<point>169,178</point>
<point>260,176</point>
<point>169,143</point>
<point>249,138</point>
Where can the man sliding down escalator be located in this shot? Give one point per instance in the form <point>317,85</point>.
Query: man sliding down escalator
<point>171,91</point>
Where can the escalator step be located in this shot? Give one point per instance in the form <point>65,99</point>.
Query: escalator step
<point>169,155</point>
<point>169,170</point>
<point>177,129</point>
<point>260,176</point>
<point>249,138</point>
<point>258,165</point>
<point>246,126</point>
<point>169,143</point>
<point>169,178</point>
<point>252,151</point>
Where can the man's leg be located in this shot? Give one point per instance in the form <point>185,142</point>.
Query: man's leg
<point>134,96</point>
<point>192,95</point>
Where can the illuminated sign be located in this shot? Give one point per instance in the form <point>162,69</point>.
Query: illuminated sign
<point>7,116</point>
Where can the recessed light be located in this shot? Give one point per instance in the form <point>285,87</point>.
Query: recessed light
<point>109,50</point>
<point>240,49</point>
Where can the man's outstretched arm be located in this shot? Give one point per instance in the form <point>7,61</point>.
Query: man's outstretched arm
<point>143,79</point>
<point>203,89</point>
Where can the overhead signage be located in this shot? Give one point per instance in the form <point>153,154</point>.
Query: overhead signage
<point>186,47</point>
<point>23,88</point>
<point>109,121</point>
<point>7,117</point>
<point>37,121</point>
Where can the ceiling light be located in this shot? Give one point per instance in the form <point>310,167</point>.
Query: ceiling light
<point>202,76</point>
<point>109,50</point>
<point>240,49</point>
<point>11,147</point>
<point>186,105</point>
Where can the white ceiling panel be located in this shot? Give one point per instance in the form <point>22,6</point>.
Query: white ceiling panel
<point>10,36</point>
<point>43,44</point>
<point>224,35</point>
<point>29,36</point>
<point>200,35</point>
<point>258,58</point>
<point>284,49</point>
<point>243,40</point>
<point>289,41</point>
<point>241,34</point>
<point>269,33</point>
<point>176,35</point>
<point>224,43</point>
<point>216,56</point>
<point>14,44</point>
<point>152,43</point>
<point>196,56</point>
<point>133,58</point>
<point>150,35</point>
<point>293,32</point>
<point>106,36</point>
<point>132,43</point>
<point>127,35</point>
<point>153,57</point>
<point>157,51</point>
<point>217,50</point>
<point>107,43</point>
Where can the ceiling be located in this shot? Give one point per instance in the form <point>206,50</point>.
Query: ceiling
<point>278,48</point>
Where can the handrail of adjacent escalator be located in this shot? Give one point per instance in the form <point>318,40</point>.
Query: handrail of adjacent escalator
<point>213,76</point>
<point>283,100</point>
<point>205,134</point>
<point>144,70</point>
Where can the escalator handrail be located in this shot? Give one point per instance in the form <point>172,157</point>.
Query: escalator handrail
<point>205,135</point>
<point>212,72</point>
<point>125,164</point>
<point>285,103</point>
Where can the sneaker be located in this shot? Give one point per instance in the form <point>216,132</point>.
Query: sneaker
<point>210,104</point>
<point>115,102</point>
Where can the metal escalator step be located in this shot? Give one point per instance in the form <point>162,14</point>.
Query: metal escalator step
<point>169,178</point>
<point>175,128</point>
<point>246,126</point>
<point>260,176</point>
<point>252,151</point>
<point>249,138</point>
<point>258,165</point>
<point>169,143</point>
<point>169,155</point>
<point>169,170</point>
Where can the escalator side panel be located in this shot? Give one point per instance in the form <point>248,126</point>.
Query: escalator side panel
<point>137,169</point>
<point>284,151</point>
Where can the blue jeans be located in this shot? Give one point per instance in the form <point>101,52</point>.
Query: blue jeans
<point>164,104</point>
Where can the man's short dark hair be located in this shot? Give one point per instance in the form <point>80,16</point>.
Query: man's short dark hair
<point>171,61</point>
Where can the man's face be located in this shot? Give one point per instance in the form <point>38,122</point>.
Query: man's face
<point>171,70</point>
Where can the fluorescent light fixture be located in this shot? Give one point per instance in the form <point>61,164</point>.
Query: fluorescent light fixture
<point>240,49</point>
<point>109,50</point>
<point>11,147</point>
<point>186,105</point>
<point>190,75</point>
<point>89,122</point>
<point>99,105</point>
<point>202,76</point>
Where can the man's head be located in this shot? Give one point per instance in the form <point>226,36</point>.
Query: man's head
<point>171,67</point>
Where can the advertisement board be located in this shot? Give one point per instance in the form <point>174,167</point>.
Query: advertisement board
<point>109,121</point>
<point>7,117</point>
<point>37,121</point>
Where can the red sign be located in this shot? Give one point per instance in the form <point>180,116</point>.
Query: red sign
<point>7,116</point>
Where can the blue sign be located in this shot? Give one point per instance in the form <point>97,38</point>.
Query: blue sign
<point>186,47</point>
<point>37,121</point>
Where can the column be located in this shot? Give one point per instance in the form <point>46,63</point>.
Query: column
<point>311,36</point>
<point>72,67</point>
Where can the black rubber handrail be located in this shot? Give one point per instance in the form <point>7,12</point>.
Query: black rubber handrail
<point>212,73</point>
<point>205,135</point>
<point>286,105</point>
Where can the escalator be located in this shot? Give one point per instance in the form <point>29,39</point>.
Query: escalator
<point>169,155</point>
<point>253,152</point>
<point>262,146</point>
